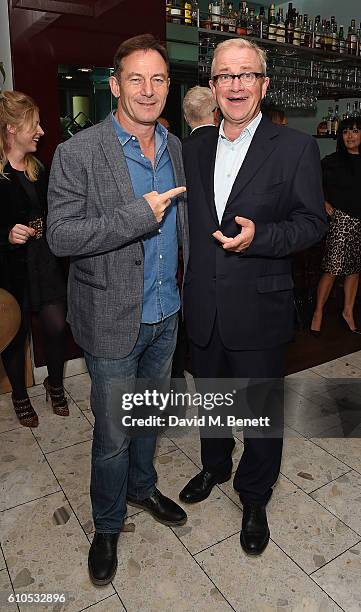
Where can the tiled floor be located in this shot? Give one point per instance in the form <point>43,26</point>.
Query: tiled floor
<point>313,562</point>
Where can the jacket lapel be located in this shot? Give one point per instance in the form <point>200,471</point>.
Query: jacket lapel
<point>263,143</point>
<point>176,163</point>
<point>207,160</point>
<point>114,154</point>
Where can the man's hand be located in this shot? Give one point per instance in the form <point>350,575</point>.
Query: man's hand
<point>20,234</point>
<point>160,201</point>
<point>329,209</point>
<point>240,242</point>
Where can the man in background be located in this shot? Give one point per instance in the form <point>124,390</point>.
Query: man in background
<point>200,111</point>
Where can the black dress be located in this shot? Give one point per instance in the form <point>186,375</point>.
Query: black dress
<point>30,271</point>
<point>341,175</point>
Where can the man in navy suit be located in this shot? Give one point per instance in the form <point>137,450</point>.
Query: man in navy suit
<point>254,198</point>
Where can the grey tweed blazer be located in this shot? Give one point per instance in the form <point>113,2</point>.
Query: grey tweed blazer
<point>95,219</point>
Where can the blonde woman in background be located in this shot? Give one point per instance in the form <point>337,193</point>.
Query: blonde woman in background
<point>28,270</point>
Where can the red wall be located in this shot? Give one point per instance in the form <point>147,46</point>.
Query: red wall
<point>88,32</point>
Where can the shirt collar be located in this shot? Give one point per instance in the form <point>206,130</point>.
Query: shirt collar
<point>203,125</point>
<point>249,130</point>
<point>161,133</point>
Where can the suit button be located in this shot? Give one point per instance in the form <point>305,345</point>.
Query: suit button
<point>138,262</point>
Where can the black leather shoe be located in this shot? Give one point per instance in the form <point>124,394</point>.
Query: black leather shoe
<point>162,508</point>
<point>102,560</point>
<point>201,486</point>
<point>255,533</point>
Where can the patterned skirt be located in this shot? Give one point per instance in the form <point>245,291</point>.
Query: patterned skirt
<point>343,245</point>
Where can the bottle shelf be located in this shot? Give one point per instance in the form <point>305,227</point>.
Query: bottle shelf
<point>301,71</point>
<point>288,50</point>
<point>324,136</point>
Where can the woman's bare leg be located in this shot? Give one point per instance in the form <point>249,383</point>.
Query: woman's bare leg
<point>323,291</point>
<point>350,290</point>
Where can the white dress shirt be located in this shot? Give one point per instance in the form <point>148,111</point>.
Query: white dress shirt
<point>229,159</point>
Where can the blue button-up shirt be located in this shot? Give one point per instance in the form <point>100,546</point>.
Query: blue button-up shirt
<point>161,295</point>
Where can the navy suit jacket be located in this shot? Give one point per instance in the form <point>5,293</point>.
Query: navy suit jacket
<point>279,187</point>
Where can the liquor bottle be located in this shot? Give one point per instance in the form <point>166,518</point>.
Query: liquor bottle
<point>272,26</point>
<point>168,7</point>
<point>216,15</point>
<point>224,17</point>
<point>334,45</point>
<point>328,39</point>
<point>327,44</point>
<point>304,31</point>
<point>351,42</point>
<point>309,35</point>
<point>341,41</point>
<point>358,42</point>
<point>318,33</point>
<point>251,23</point>
<point>175,12</point>
<point>335,121</point>
<point>324,35</point>
<point>187,12</point>
<point>347,114</point>
<point>280,30</point>
<point>262,24</point>
<point>231,18</point>
<point>241,25</point>
<point>297,32</point>
<point>257,25</point>
<point>322,127</point>
<point>289,24</point>
<point>355,109</point>
<point>195,13</point>
<point>329,120</point>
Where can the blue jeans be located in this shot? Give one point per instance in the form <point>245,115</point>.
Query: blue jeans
<point>122,465</point>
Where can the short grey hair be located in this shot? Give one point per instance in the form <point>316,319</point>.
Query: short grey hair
<point>241,43</point>
<point>198,104</point>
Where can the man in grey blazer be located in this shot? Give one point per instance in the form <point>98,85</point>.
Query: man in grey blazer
<point>116,208</point>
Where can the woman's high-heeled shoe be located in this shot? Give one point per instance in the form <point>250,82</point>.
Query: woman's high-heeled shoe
<point>316,333</point>
<point>25,412</point>
<point>356,330</point>
<point>58,399</point>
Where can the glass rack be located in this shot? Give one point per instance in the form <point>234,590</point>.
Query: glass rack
<point>299,75</point>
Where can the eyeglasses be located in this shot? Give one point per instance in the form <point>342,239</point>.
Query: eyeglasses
<point>246,78</point>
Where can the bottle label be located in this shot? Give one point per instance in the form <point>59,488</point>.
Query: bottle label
<point>216,14</point>
<point>272,28</point>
